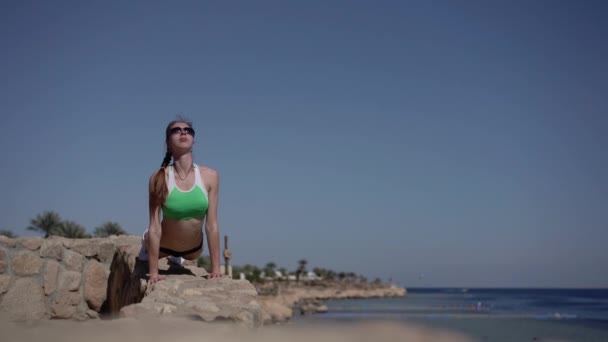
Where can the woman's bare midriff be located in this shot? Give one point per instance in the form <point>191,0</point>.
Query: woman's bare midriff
<point>181,235</point>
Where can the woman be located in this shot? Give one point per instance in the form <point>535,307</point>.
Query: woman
<point>186,194</point>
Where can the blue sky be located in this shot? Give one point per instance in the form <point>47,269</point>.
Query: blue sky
<point>438,143</point>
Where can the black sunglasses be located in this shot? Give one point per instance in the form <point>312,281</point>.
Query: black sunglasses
<point>187,130</point>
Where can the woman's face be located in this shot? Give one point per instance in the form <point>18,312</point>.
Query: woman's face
<point>180,137</point>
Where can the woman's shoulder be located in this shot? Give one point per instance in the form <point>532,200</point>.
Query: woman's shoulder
<point>208,173</point>
<point>207,170</point>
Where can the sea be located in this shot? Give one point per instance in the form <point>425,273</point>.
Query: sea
<point>485,314</point>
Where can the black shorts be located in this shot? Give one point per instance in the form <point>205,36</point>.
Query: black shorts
<point>181,254</point>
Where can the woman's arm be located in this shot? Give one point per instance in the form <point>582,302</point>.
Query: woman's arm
<point>211,225</point>
<point>154,234</point>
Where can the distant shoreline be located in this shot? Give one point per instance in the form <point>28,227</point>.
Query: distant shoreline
<point>279,305</point>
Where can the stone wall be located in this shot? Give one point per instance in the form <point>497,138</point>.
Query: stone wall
<point>56,277</point>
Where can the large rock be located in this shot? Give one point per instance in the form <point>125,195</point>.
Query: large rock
<point>184,292</point>
<point>51,249</point>
<point>50,276</point>
<point>127,281</point>
<point>26,263</point>
<point>65,304</point>
<point>210,300</point>
<point>73,261</point>
<point>69,280</point>
<point>106,251</point>
<point>25,300</point>
<point>95,284</point>
<point>87,247</point>
<point>31,243</point>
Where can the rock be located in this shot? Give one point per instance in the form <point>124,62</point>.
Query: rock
<point>64,241</point>
<point>7,242</point>
<point>92,314</point>
<point>95,285</point>
<point>106,251</point>
<point>65,304</point>
<point>30,243</point>
<point>184,292</point>
<point>87,247</point>
<point>73,261</point>
<point>26,263</point>
<point>126,240</point>
<point>5,282</point>
<point>274,312</point>
<point>126,280</point>
<point>310,308</point>
<point>51,249</point>
<point>210,300</point>
<point>3,260</point>
<point>322,309</point>
<point>69,280</point>
<point>50,277</point>
<point>25,300</point>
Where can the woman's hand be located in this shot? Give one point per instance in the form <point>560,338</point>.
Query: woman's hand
<point>215,274</point>
<point>154,278</point>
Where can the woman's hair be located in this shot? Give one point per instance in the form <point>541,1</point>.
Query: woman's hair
<point>159,191</point>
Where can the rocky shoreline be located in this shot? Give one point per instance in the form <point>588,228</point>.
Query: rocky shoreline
<point>279,308</point>
<point>83,279</point>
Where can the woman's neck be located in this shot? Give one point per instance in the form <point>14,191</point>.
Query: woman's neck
<point>183,162</point>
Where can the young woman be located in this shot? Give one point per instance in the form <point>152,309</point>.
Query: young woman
<point>186,194</point>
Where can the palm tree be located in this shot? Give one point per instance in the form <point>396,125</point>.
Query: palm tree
<point>70,229</point>
<point>7,233</point>
<point>45,223</point>
<point>109,228</point>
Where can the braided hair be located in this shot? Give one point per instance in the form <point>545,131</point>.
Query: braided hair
<point>159,191</point>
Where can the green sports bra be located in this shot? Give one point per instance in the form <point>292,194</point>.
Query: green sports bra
<point>184,205</point>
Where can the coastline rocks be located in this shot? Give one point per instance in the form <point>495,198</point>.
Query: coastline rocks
<point>306,298</point>
<point>274,311</point>
<point>311,307</point>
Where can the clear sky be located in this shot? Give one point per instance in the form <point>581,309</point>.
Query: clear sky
<point>439,143</point>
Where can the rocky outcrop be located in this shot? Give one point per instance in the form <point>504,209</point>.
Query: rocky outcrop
<point>184,292</point>
<point>279,308</point>
<point>207,300</point>
<point>59,278</point>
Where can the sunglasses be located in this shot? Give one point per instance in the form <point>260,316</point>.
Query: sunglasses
<point>180,130</point>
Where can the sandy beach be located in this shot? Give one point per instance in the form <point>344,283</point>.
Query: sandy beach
<point>187,330</point>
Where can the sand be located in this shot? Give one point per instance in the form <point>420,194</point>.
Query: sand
<point>184,330</point>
